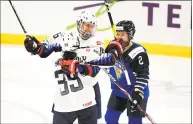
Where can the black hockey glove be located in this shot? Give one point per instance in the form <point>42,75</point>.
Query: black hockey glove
<point>32,45</point>
<point>137,97</point>
<point>116,47</point>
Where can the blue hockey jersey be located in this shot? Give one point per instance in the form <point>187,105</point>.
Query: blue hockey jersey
<point>136,62</point>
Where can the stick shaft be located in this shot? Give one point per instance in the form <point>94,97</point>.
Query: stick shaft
<point>18,17</point>
<point>111,19</point>
<point>126,93</point>
<point>126,74</point>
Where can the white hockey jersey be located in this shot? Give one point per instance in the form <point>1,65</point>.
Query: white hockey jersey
<point>72,95</point>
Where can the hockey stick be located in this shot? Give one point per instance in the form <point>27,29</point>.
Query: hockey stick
<point>115,34</point>
<point>130,98</point>
<point>25,32</point>
<point>111,19</point>
<point>127,94</point>
<point>125,71</point>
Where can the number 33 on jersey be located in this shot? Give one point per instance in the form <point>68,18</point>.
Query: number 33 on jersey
<point>73,93</point>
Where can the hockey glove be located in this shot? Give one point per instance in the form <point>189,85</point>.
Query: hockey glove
<point>69,66</point>
<point>137,96</point>
<point>32,45</point>
<point>116,47</point>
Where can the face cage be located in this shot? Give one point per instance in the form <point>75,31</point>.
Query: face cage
<point>85,35</point>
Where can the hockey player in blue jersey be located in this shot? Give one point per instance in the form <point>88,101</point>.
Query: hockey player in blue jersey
<point>123,53</point>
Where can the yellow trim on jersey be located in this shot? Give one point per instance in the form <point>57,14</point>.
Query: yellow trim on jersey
<point>136,89</point>
<point>155,49</point>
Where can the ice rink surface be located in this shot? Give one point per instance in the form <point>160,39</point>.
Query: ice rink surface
<point>28,86</point>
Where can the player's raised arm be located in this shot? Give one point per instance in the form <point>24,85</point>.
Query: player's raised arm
<point>57,43</point>
<point>43,49</point>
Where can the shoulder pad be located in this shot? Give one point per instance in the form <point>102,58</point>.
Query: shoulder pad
<point>57,35</point>
<point>70,33</point>
<point>136,51</point>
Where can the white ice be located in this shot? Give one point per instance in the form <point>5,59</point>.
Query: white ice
<point>27,88</point>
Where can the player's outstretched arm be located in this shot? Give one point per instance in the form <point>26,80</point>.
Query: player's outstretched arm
<point>113,51</point>
<point>44,49</point>
<point>89,70</point>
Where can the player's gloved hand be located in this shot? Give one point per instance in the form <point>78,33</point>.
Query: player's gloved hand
<point>116,47</point>
<point>137,96</point>
<point>69,66</point>
<point>32,45</point>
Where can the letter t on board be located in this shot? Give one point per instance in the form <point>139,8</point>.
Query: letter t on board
<point>150,11</point>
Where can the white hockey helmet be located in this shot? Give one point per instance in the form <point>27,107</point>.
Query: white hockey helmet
<point>86,18</point>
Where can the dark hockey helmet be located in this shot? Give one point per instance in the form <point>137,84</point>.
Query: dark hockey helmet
<point>126,26</point>
<point>67,55</point>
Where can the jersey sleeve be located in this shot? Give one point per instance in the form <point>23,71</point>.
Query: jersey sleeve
<point>50,45</point>
<point>140,67</point>
<point>89,70</point>
<point>106,59</point>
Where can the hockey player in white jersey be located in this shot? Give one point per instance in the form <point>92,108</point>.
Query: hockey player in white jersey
<point>78,94</point>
